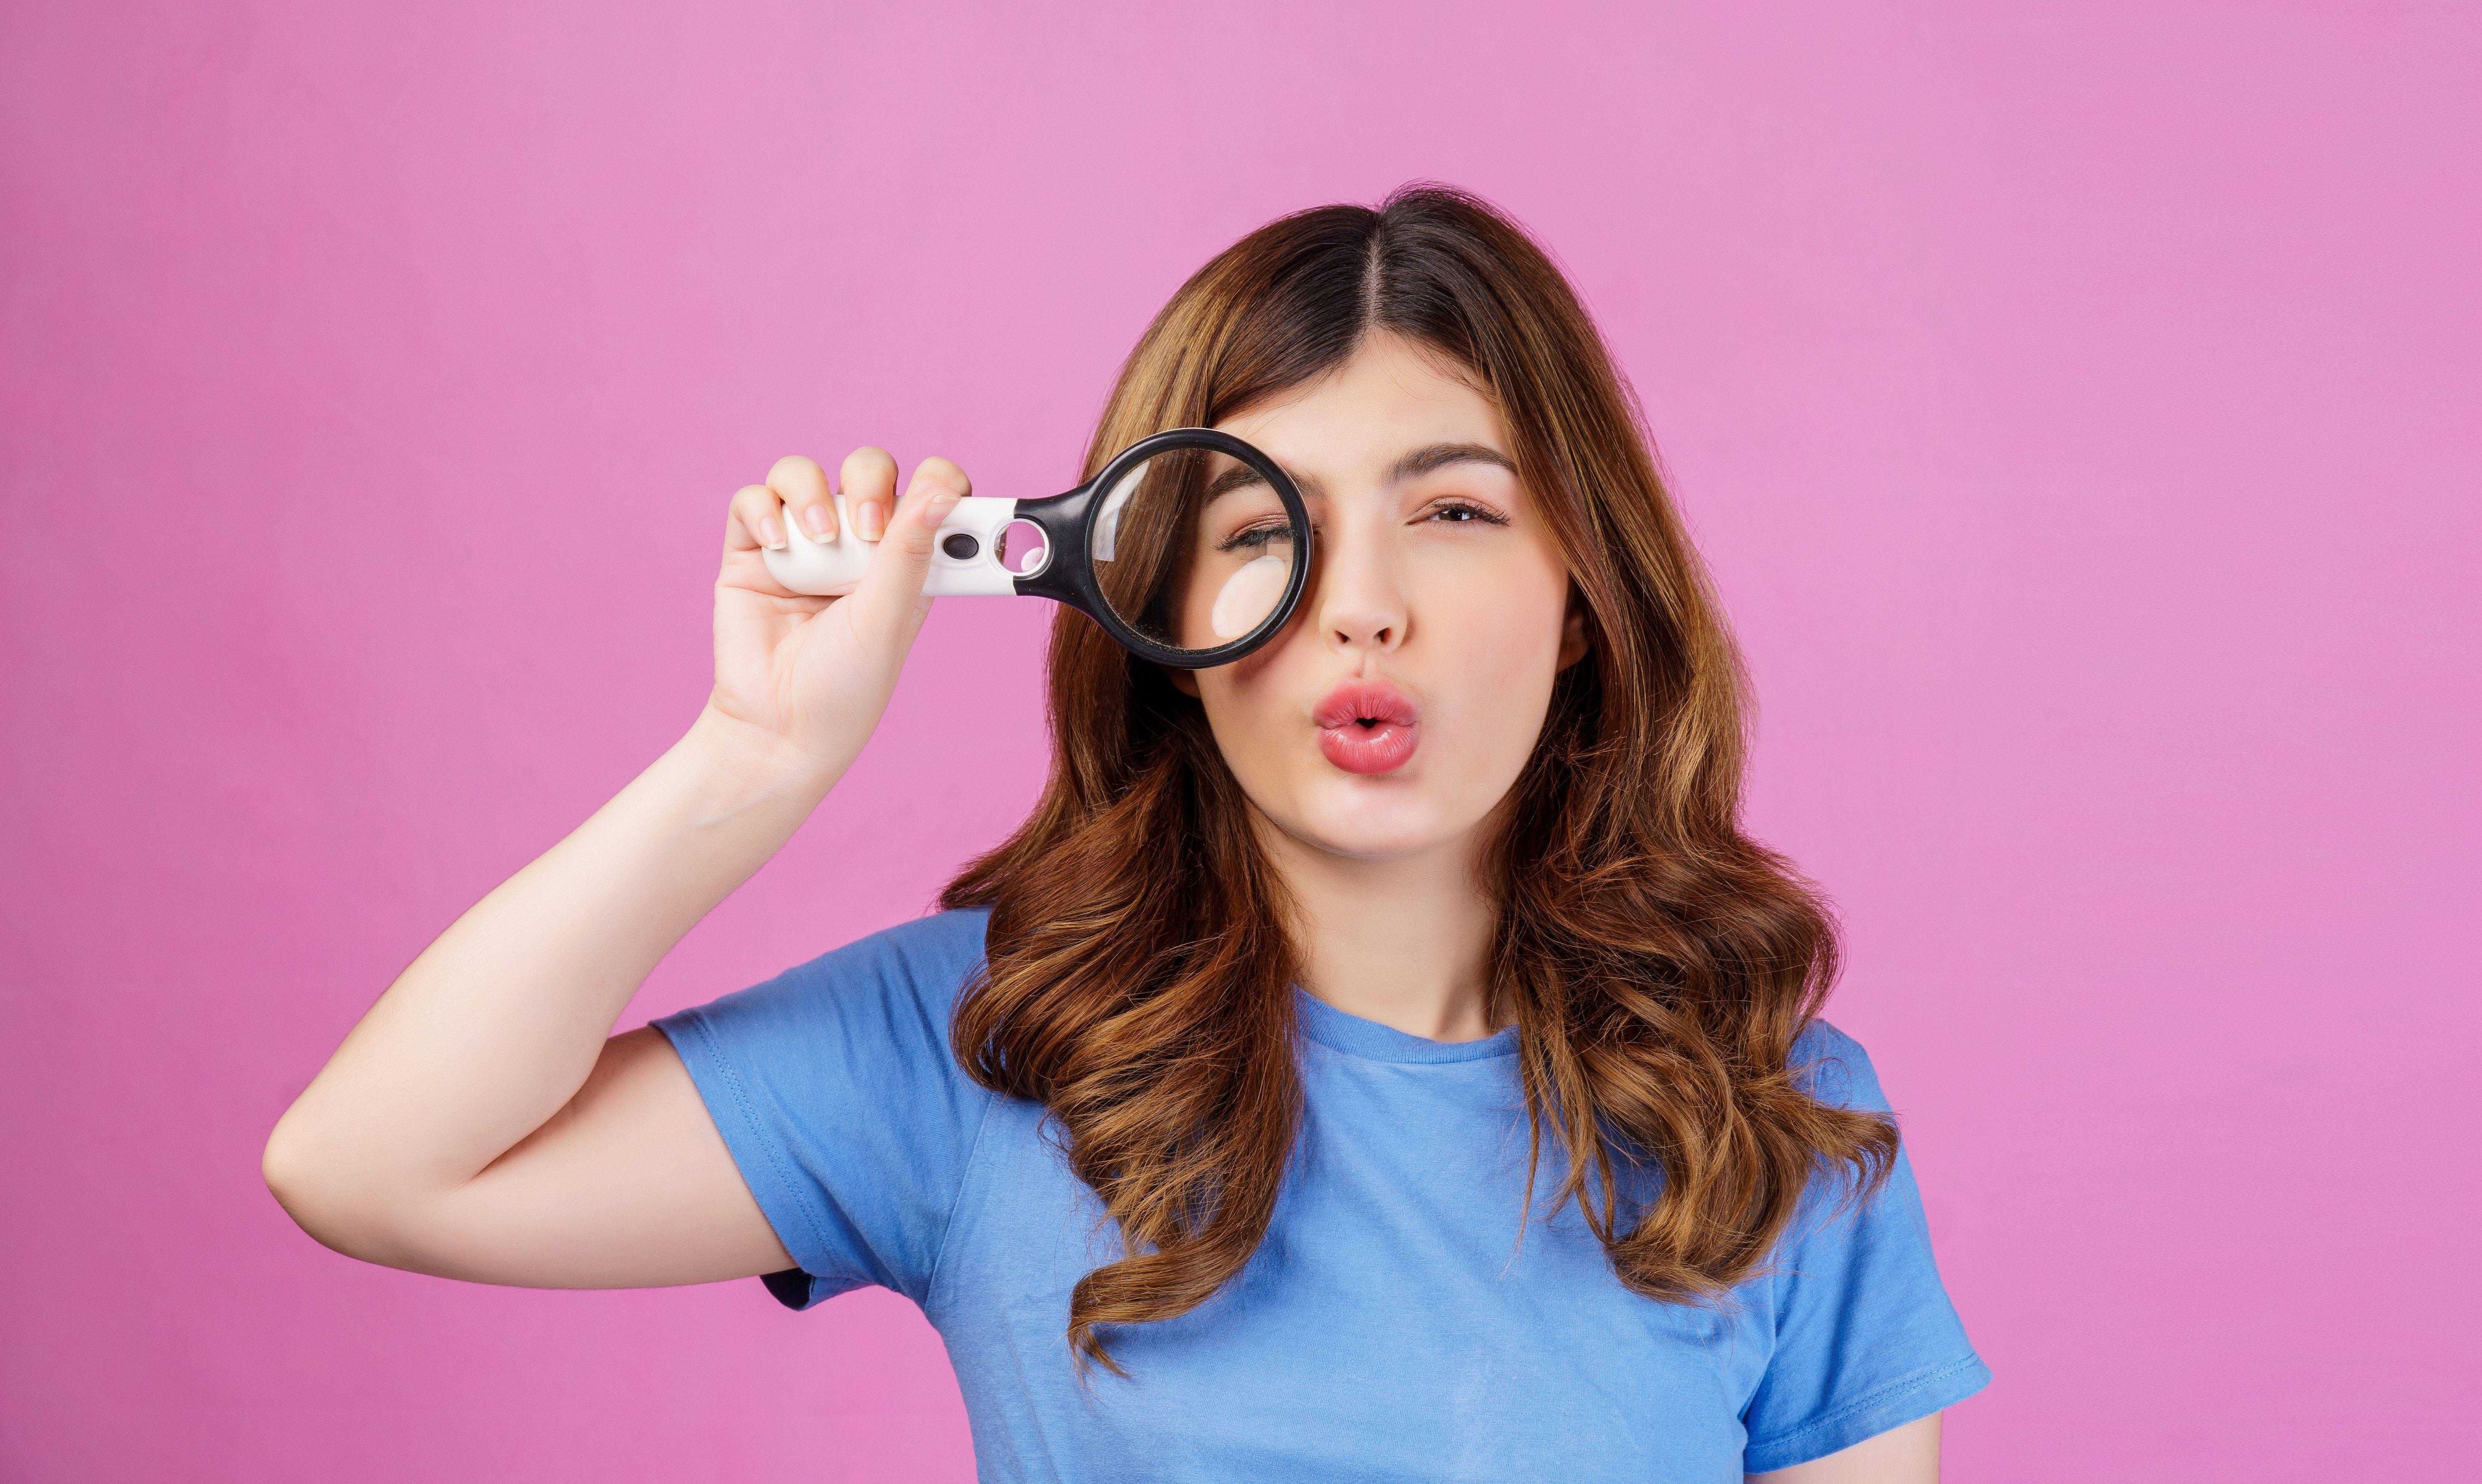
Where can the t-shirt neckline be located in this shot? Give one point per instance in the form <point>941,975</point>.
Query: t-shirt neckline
<point>1339,1030</point>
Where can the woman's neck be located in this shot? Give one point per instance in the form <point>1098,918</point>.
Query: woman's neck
<point>1403,941</point>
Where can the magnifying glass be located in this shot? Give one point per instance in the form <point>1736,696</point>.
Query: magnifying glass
<point>1191,548</point>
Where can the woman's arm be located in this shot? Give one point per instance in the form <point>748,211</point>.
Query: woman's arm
<point>477,1123</point>
<point>1901,1455</point>
<point>481,1121</point>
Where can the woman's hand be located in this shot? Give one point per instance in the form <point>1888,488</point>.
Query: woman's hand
<point>809,677</point>
<point>435,1139</point>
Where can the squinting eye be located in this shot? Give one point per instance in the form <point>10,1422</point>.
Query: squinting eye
<point>1461,513</point>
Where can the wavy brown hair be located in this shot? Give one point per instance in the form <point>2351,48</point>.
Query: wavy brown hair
<point>1657,961</point>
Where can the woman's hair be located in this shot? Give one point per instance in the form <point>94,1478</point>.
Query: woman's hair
<point>1657,962</point>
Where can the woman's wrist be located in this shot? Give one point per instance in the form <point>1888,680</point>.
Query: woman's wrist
<point>746,763</point>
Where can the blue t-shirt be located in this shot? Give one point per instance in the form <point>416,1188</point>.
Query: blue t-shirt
<point>1392,1326</point>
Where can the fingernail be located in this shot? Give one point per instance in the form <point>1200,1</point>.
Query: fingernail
<point>816,519</point>
<point>870,521</point>
<point>942,502</point>
<point>772,531</point>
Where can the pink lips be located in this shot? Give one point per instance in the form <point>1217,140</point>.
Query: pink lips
<point>1366,726</point>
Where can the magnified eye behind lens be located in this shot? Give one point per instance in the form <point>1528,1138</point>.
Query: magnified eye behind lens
<point>1193,548</point>
<point>1190,548</point>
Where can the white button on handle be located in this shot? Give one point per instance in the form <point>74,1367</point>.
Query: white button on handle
<point>965,554</point>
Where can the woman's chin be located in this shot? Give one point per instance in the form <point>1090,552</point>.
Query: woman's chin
<point>1345,816</point>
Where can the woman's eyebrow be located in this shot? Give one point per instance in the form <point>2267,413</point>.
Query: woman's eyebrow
<point>1438,455</point>
<point>1412,465</point>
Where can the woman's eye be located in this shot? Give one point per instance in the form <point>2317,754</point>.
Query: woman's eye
<point>1253,537</point>
<point>1459,512</point>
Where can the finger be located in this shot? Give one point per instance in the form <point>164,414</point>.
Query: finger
<point>868,480</point>
<point>890,597</point>
<point>756,519</point>
<point>803,487</point>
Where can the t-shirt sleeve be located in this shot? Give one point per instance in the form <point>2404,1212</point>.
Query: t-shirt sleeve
<point>836,1093</point>
<point>1866,1337</point>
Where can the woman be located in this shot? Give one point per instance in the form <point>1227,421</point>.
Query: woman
<point>1379,1058</point>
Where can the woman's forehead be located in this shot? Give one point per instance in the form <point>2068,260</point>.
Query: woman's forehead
<point>1393,411</point>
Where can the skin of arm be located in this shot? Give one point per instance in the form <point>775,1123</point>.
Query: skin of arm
<point>481,1121</point>
<point>1907,1454</point>
<point>477,1124</point>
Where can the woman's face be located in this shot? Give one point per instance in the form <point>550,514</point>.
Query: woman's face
<point>1402,701</point>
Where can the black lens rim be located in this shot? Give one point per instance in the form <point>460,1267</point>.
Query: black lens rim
<point>1068,572</point>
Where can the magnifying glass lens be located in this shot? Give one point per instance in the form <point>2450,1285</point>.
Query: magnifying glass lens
<point>1192,548</point>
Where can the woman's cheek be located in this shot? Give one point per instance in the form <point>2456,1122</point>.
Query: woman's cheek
<point>1504,658</point>
<point>1247,711</point>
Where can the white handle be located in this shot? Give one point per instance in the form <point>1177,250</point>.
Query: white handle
<point>834,568</point>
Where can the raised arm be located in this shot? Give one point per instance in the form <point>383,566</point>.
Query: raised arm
<point>1905,1454</point>
<point>482,1121</point>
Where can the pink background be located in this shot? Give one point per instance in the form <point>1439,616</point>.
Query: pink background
<point>2077,405</point>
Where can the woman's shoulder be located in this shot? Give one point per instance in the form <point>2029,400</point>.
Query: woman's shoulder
<point>888,994</point>
<point>1833,1067</point>
<point>834,1088</point>
<point>935,949</point>
<point>928,959</point>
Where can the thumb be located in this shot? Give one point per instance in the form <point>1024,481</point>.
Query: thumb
<point>890,603</point>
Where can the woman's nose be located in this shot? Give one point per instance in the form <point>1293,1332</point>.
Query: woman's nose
<point>1360,603</point>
